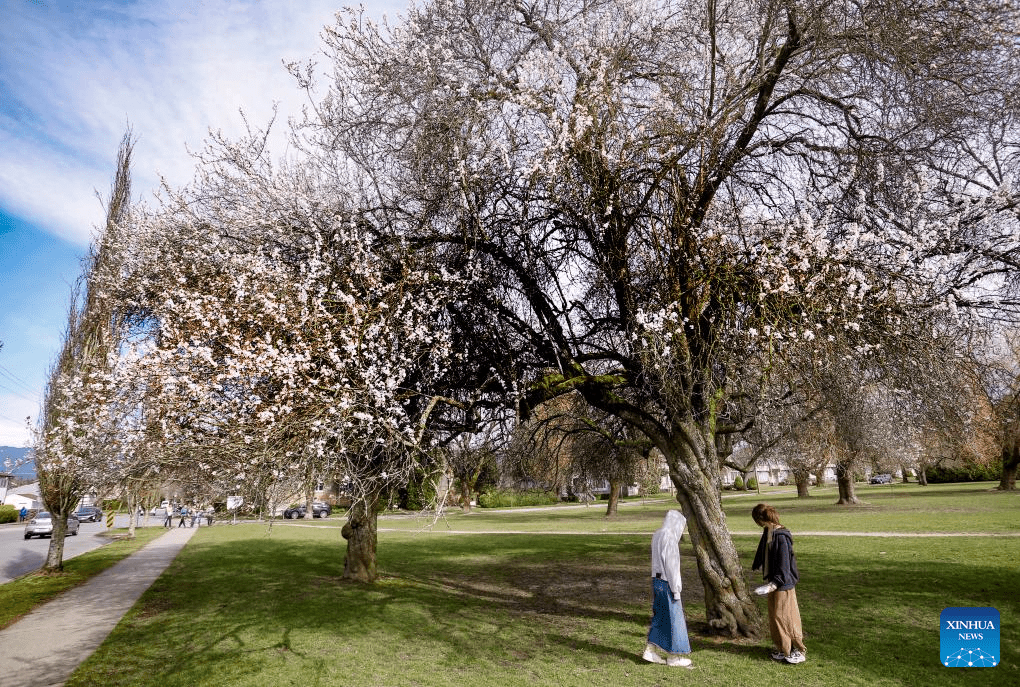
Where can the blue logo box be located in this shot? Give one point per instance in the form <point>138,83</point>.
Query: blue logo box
<point>969,637</point>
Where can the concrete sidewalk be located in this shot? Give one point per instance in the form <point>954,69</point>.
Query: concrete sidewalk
<point>47,645</point>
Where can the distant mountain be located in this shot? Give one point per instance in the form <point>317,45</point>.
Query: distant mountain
<point>17,462</point>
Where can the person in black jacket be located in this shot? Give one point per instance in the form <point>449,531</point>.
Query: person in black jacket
<point>778,564</point>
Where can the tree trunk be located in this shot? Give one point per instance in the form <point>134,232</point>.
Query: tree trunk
<point>729,606</point>
<point>55,554</point>
<point>922,476</point>
<point>820,478</point>
<point>309,509</point>
<point>1010,461</point>
<point>615,485</point>
<point>465,496</point>
<point>132,514</point>
<point>845,482</point>
<point>361,533</point>
<point>689,448</point>
<point>802,486</point>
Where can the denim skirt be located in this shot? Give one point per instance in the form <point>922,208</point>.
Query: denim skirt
<point>669,627</point>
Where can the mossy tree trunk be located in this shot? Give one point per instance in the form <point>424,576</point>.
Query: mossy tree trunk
<point>361,533</point>
<point>694,469</point>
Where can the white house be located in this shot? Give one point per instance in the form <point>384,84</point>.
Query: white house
<point>26,495</point>
<point>774,471</point>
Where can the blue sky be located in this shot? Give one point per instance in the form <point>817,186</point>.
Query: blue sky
<point>72,76</point>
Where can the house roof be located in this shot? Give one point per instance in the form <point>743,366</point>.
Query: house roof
<point>26,490</point>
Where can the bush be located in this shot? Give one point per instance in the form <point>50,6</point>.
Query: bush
<point>752,483</point>
<point>420,492</point>
<point>650,485</point>
<point>8,514</point>
<point>510,498</point>
<point>738,483</point>
<point>970,472</point>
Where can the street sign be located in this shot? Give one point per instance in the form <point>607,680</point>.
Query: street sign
<point>109,519</point>
<point>234,502</point>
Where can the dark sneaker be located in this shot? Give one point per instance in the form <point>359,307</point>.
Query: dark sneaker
<point>777,655</point>
<point>796,657</point>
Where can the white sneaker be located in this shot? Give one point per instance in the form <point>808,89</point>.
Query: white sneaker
<point>678,662</point>
<point>777,655</point>
<point>651,656</point>
<point>796,657</point>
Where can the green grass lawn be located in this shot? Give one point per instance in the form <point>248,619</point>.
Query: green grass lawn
<point>975,507</point>
<point>250,605</point>
<point>901,508</point>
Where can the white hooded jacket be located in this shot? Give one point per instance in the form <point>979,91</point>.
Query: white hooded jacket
<point>666,551</point>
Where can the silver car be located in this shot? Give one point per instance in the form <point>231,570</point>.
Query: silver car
<point>42,525</point>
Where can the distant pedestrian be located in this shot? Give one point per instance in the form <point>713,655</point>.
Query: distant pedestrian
<point>22,514</point>
<point>184,514</point>
<point>168,522</point>
<point>779,569</point>
<point>669,626</point>
<point>194,516</point>
<point>208,516</point>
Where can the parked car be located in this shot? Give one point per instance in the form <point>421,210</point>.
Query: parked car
<point>881,479</point>
<point>89,514</point>
<point>319,510</point>
<point>42,525</point>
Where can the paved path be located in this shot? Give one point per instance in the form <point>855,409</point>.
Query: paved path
<point>47,645</point>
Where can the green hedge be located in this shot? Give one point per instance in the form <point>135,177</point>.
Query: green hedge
<point>965,473</point>
<point>509,498</point>
<point>420,492</point>
<point>8,514</point>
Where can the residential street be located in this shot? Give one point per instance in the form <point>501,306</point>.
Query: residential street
<point>19,556</point>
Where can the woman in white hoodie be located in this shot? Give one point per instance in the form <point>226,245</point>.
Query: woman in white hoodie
<point>669,627</point>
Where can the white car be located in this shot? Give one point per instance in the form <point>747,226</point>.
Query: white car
<point>42,525</point>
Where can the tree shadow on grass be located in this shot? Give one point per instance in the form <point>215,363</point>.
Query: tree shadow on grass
<point>882,616</point>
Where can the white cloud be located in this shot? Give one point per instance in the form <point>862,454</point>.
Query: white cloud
<point>79,72</point>
<point>73,74</point>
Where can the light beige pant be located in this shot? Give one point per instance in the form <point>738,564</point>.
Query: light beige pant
<point>784,622</point>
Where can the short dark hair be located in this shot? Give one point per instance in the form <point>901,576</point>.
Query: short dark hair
<point>763,512</point>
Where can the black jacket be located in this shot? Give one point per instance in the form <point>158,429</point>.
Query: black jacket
<point>782,561</point>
